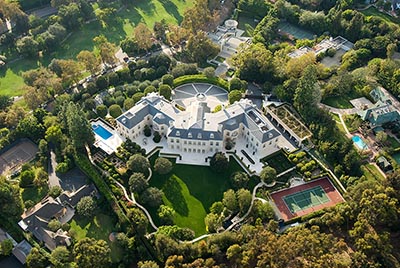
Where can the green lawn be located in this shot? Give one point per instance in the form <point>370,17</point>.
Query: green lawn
<point>98,227</point>
<point>34,193</point>
<point>371,172</point>
<point>394,144</point>
<point>341,102</point>
<point>119,27</point>
<point>191,190</point>
<point>372,11</point>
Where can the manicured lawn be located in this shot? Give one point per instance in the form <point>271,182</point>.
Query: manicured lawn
<point>341,102</point>
<point>394,144</point>
<point>246,23</point>
<point>33,193</point>
<point>278,161</point>
<point>98,227</point>
<point>372,11</point>
<point>191,190</point>
<point>371,172</point>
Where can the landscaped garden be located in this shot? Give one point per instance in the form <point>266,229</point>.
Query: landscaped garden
<point>341,101</point>
<point>191,190</point>
<point>278,161</point>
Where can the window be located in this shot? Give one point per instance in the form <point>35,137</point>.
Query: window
<point>184,149</point>
<point>177,147</point>
<point>184,142</point>
<point>172,147</point>
<point>199,143</point>
<point>172,140</point>
<point>204,143</point>
<point>217,143</point>
<point>190,143</point>
<point>211,143</point>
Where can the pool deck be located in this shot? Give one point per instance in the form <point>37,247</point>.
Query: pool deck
<point>110,144</point>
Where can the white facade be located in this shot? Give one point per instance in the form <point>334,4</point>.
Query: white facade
<point>197,130</point>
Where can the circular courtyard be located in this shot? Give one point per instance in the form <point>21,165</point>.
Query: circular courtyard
<point>213,95</point>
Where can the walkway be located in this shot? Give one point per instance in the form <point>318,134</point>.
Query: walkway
<point>338,110</point>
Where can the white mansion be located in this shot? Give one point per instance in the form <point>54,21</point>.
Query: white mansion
<point>197,130</point>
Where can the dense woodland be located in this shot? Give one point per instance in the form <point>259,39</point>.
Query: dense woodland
<point>363,232</point>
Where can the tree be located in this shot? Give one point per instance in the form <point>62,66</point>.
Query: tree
<point>201,48</point>
<point>54,225</point>
<point>139,220</point>
<point>60,257</point>
<point>86,206</point>
<point>55,191</point>
<point>236,83</point>
<point>157,137</point>
<point>209,72</point>
<point>129,46</point>
<point>115,110</point>
<point>381,136</point>
<point>143,36</point>
<point>233,254</point>
<point>90,253</point>
<point>165,90</point>
<point>10,200</point>
<point>70,15</point>
<point>268,174</point>
<point>167,79</point>
<point>244,200</point>
<point>162,165</point>
<point>230,201</point>
<point>138,163</point>
<point>89,60</point>
<point>147,264</point>
<point>219,162</point>
<point>240,179</point>
<point>107,50</point>
<point>138,182</point>
<point>101,110</point>
<point>254,63</point>
<point>147,131</point>
<point>234,95</point>
<point>166,214</point>
<point>152,197</point>
<point>27,46</point>
<point>6,247</point>
<point>308,93</point>
<point>54,135</point>
<point>266,30</point>
<point>36,259</point>
<point>79,128</point>
<point>26,178</point>
<point>213,222</point>
<point>198,18</point>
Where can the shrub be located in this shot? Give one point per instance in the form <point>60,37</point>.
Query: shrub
<point>202,79</point>
<point>147,131</point>
<point>55,191</point>
<point>162,165</point>
<point>115,110</point>
<point>157,137</point>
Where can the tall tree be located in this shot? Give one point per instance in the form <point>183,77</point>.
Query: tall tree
<point>90,253</point>
<point>89,60</point>
<point>308,93</point>
<point>79,128</point>
<point>143,36</point>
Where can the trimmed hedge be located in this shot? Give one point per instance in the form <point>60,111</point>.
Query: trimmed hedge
<point>201,78</point>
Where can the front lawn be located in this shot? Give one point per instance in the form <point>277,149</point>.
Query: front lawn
<point>191,190</point>
<point>341,102</point>
<point>394,144</point>
<point>98,227</point>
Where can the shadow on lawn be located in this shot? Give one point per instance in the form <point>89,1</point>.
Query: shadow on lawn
<point>172,9</point>
<point>173,192</point>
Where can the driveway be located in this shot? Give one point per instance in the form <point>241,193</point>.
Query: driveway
<point>54,180</point>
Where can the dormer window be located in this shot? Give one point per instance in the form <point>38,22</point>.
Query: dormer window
<point>212,136</point>
<point>190,135</point>
<point>178,133</point>
<point>199,136</point>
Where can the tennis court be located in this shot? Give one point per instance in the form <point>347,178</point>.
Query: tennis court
<point>12,158</point>
<point>306,199</point>
<point>295,31</point>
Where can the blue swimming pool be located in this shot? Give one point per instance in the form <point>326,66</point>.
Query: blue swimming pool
<point>101,131</point>
<point>359,142</point>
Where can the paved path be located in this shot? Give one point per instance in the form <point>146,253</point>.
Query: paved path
<point>54,180</point>
<point>344,124</point>
<point>338,110</point>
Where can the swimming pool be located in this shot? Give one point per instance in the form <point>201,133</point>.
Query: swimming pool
<point>101,131</point>
<point>396,157</point>
<point>359,142</point>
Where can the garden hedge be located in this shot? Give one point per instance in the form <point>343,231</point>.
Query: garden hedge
<point>201,78</point>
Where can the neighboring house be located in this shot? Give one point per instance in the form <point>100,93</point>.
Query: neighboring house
<point>61,208</point>
<point>198,130</point>
<point>338,43</point>
<point>20,250</point>
<point>384,164</point>
<point>383,111</point>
